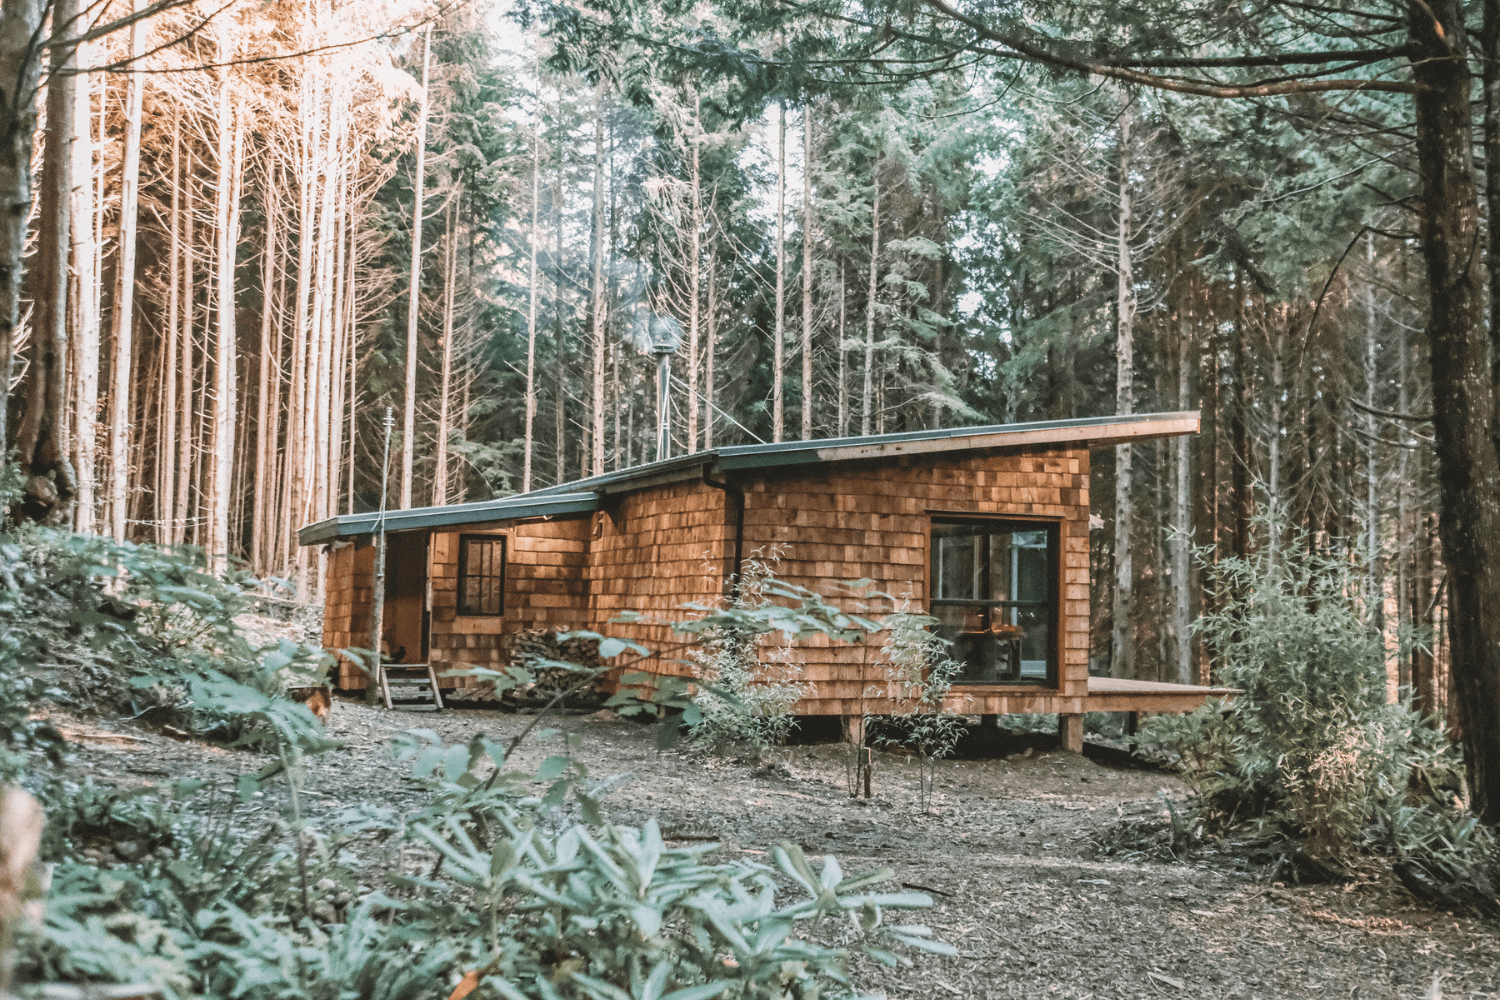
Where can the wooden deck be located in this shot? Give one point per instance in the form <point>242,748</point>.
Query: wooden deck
<point>1113,694</point>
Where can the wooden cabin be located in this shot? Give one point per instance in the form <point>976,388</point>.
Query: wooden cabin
<point>987,528</point>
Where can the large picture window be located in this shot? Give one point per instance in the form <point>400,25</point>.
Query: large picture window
<point>994,594</point>
<point>481,574</point>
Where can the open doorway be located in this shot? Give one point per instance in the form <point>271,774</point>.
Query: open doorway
<point>405,621</point>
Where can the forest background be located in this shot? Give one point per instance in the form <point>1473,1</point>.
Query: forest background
<point>227,289</point>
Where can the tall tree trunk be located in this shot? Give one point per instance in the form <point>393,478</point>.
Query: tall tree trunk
<point>227,221</point>
<point>266,405</point>
<point>600,333</point>
<point>1465,372</point>
<point>778,376</point>
<point>445,375</point>
<point>1122,647</point>
<point>409,413</point>
<point>531,300</point>
<point>85,309</point>
<point>20,72</point>
<point>711,348</point>
<point>124,312</point>
<point>166,450</point>
<point>41,440</point>
<point>559,378</point>
<point>1182,544</point>
<point>807,274</point>
<point>1374,579</point>
<point>694,268</point>
<point>843,359</point>
<point>869,397</point>
<point>185,367</point>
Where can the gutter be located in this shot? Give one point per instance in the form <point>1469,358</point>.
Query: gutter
<point>731,490</point>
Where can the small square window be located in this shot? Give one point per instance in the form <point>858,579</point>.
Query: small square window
<point>481,574</point>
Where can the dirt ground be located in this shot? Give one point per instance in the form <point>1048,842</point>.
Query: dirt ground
<point>1009,850</point>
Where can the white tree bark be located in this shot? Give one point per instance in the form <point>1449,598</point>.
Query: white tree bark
<point>807,274</point>
<point>1122,650</point>
<point>867,404</point>
<point>778,377</point>
<point>531,302</point>
<point>86,325</point>
<point>124,313</point>
<point>409,413</point>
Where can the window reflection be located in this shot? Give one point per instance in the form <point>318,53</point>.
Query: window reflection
<point>992,596</point>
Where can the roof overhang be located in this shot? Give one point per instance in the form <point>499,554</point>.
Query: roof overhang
<point>1091,431</point>
<point>515,508</point>
<point>585,496</point>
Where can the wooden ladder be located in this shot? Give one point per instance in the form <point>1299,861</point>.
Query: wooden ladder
<point>410,687</point>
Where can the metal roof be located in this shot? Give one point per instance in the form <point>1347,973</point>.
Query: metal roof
<point>584,496</point>
<point>506,509</point>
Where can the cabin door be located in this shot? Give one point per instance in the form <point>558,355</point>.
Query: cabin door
<point>405,621</point>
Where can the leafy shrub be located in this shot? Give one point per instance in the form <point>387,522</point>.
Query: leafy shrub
<point>511,897</point>
<point>1309,741</point>
<point>921,673</point>
<point>749,680</point>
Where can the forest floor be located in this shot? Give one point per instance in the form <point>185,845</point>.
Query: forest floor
<point>1009,848</point>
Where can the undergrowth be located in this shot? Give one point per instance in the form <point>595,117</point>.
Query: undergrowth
<point>507,883</point>
<point>1308,749</point>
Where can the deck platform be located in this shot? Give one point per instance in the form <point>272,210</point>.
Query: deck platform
<point>1114,694</point>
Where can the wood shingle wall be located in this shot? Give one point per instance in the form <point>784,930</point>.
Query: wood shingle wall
<point>873,521</point>
<point>544,589</point>
<point>655,551</point>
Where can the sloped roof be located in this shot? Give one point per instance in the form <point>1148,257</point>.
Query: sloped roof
<point>584,496</point>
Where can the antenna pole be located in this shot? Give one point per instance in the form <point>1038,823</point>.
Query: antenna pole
<point>377,676</point>
<point>663,383</point>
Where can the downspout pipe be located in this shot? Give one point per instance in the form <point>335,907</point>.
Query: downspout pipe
<point>738,495</point>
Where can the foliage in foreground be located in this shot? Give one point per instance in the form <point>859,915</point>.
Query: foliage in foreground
<point>497,885</point>
<point>1309,745</point>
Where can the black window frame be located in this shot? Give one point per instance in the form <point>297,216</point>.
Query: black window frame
<point>1054,601</point>
<point>463,573</point>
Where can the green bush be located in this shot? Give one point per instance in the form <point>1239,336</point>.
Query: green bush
<point>1308,742</point>
<point>173,888</point>
<point>749,679</point>
<point>921,672</point>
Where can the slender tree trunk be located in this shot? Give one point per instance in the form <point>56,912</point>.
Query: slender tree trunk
<point>1374,579</point>
<point>843,359</point>
<point>85,309</point>
<point>185,366</point>
<point>1122,649</point>
<point>559,378</point>
<point>265,405</point>
<point>711,348</point>
<point>41,440</point>
<point>445,376</point>
<point>531,300</point>
<point>1182,544</point>
<point>124,314</point>
<point>694,269</point>
<point>227,219</point>
<point>869,396</point>
<point>20,72</point>
<point>1404,534</point>
<point>600,332</point>
<point>409,413</point>
<point>1464,374</point>
<point>166,437</point>
<point>807,274</point>
<point>778,376</point>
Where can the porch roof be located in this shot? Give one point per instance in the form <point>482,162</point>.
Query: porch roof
<point>584,496</point>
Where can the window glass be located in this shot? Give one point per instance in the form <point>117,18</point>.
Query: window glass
<point>994,599</point>
<point>481,574</point>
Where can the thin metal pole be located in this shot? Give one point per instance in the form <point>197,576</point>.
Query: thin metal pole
<point>372,692</point>
<point>664,386</point>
